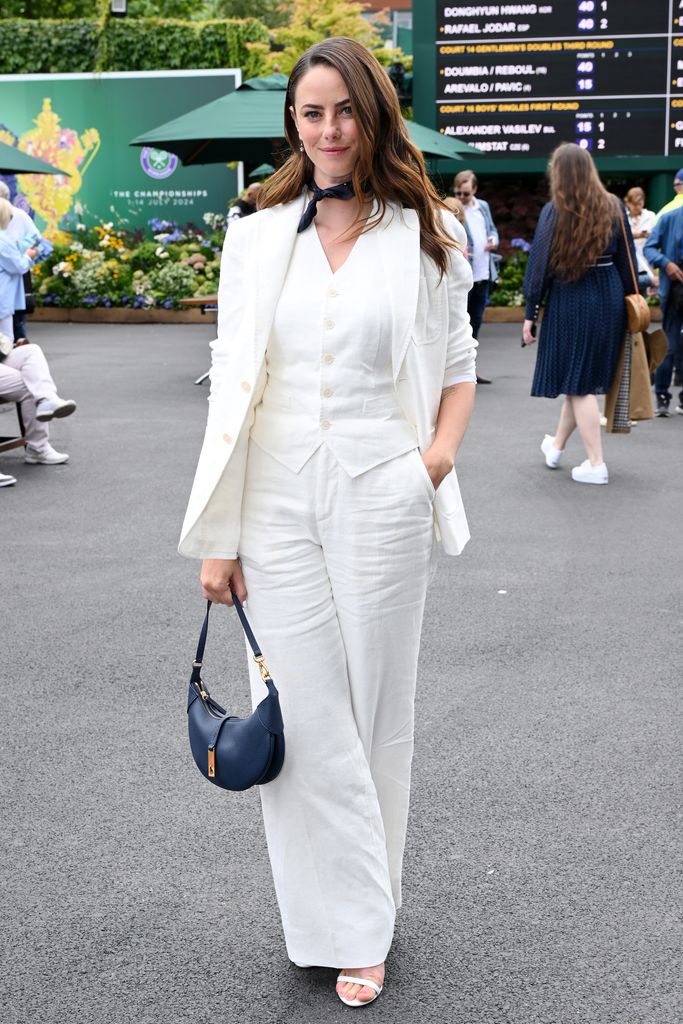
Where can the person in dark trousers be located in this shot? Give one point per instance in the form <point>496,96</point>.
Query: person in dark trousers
<point>664,249</point>
<point>482,240</point>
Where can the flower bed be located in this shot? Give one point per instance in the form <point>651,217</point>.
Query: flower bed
<point>107,267</point>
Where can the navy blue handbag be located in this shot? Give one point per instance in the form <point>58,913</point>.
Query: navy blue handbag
<point>234,753</point>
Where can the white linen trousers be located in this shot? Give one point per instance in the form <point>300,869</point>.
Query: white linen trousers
<point>336,569</point>
<point>25,377</point>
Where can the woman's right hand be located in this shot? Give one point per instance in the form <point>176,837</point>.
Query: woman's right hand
<point>219,576</point>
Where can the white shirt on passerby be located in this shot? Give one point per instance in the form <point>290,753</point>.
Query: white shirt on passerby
<point>476,222</point>
<point>645,221</point>
<point>20,225</point>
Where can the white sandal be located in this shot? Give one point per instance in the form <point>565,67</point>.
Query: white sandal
<point>377,988</point>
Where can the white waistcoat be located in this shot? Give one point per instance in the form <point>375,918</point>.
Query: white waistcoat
<point>328,361</point>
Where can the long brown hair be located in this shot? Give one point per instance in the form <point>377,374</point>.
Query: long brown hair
<point>389,166</point>
<point>586,212</point>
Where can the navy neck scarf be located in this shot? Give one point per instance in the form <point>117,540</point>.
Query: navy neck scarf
<point>343,191</point>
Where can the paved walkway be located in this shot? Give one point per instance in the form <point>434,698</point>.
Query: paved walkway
<point>542,855</point>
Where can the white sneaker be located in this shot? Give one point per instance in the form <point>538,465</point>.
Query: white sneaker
<point>552,454</point>
<point>54,408</point>
<point>587,474</point>
<point>6,480</point>
<point>47,456</point>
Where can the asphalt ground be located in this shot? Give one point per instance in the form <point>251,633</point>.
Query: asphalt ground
<point>542,879</point>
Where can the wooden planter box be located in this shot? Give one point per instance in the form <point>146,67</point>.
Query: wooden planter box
<point>120,315</point>
<point>56,314</point>
<point>515,314</point>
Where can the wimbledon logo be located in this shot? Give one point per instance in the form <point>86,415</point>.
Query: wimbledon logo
<point>157,163</point>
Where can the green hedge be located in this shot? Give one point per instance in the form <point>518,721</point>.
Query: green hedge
<point>46,8</point>
<point>40,47</point>
<point>120,44</point>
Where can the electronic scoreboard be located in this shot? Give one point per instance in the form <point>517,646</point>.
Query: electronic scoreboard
<point>516,79</point>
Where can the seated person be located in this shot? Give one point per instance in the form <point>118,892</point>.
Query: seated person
<point>24,374</point>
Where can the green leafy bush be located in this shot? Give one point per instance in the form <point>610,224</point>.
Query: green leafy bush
<point>509,286</point>
<point>49,47</point>
<point>120,44</point>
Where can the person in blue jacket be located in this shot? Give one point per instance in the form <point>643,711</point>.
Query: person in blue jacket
<point>482,239</point>
<point>664,249</point>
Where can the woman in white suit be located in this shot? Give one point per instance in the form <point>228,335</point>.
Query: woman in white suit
<point>342,384</point>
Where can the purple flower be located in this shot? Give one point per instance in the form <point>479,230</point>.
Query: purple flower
<point>520,243</point>
<point>167,304</point>
<point>161,225</point>
<point>106,302</point>
<point>47,300</point>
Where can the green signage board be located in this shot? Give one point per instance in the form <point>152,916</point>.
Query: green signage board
<point>83,124</point>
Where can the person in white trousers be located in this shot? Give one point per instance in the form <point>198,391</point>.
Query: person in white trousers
<point>342,383</point>
<point>24,374</point>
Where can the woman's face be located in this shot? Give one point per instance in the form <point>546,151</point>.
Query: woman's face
<point>635,204</point>
<point>326,124</point>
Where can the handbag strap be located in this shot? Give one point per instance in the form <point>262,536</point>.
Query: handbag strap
<point>258,657</point>
<point>628,251</point>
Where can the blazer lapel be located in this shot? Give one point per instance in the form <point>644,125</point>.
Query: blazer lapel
<point>400,242</point>
<point>274,245</point>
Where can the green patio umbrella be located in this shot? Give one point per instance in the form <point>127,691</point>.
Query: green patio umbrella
<point>262,171</point>
<point>14,161</point>
<point>248,125</point>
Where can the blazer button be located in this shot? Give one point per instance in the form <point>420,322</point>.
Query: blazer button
<point>246,386</point>
<point>227,438</point>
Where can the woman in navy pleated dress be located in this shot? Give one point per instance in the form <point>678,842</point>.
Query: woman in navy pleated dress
<point>579,264</point>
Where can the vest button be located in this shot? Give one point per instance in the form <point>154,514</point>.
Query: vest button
<point>328,392</point>
<point>328,358</point>
<point>246,386</point>
<point>325,424</point>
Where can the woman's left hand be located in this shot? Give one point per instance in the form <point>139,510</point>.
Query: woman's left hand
<point>438,464</point>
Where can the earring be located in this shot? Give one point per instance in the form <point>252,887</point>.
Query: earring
<point>301,146</point>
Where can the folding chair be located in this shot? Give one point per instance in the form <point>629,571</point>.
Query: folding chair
<point>16,441</point>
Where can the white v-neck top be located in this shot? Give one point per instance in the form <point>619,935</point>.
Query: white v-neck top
<point>328,360</point>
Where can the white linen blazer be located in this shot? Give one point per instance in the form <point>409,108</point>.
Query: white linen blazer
<point>430,330</point>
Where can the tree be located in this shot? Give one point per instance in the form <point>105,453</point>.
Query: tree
<point>313,20</point>
<point>273,13</point>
